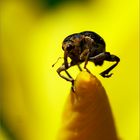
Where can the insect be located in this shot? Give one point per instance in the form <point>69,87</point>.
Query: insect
<point>83,47</point>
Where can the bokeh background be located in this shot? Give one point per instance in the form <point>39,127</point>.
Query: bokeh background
<point>32,95</point>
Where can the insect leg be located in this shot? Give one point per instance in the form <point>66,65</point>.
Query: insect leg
<point>85,56</point>
<point>63,68</point>
<point>88,44</point>
<point>79,67</point>
<point>108,57</point>
<point>86,62</point>
<point>68,74</point>
<point>111,58</point>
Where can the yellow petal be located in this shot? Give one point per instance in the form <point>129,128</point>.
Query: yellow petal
<point>87,114</point>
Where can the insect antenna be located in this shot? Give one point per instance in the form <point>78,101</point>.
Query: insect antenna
<point>57,61</point>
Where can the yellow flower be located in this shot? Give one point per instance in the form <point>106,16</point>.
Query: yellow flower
<point>33,95</point>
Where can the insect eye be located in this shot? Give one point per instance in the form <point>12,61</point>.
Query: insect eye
<point>70,47</point>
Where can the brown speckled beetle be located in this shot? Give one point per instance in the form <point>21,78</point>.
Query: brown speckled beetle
<point>83,47</point>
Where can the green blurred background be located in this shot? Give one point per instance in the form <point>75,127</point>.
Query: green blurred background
<point>32,93</point>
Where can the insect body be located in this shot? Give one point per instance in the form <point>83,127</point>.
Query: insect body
<point>83,47</point>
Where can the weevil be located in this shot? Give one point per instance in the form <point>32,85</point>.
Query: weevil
<point>83,47</point>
